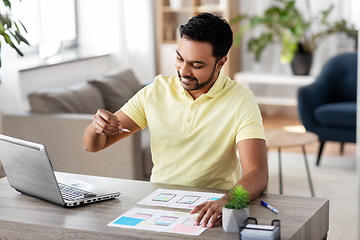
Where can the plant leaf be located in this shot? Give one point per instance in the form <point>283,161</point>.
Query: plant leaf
<point>238,18</point>
<point>7,3</point>
<point>1,26</point>
<point>22,39</point>
<point>8,40</point>
<point>238,198</point>
<point>326,14</point>
<point>17,28</point>
<point>23,26</point>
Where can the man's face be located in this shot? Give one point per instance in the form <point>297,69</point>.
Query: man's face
<point>196,66</point>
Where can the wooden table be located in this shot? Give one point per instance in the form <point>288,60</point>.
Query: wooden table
<point>280,138</point>
<point>25,217</point>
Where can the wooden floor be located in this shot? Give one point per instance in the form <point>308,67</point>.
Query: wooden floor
<point>293,123</point>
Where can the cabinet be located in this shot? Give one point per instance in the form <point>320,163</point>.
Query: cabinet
<point>284,87</point>
<point>173,13</point>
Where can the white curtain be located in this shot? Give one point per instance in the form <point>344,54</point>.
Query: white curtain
<point>139,38</point>
<point>124,28</point>
<point>270,59</point>
<point>10,98</point>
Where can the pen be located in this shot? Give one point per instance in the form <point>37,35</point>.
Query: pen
<point>270,207</point>
<point>125,130</point>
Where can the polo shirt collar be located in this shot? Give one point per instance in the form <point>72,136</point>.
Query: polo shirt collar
<point>213,91</point>
<point>217,87</point>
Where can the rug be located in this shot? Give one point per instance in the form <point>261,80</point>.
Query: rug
<point>335,179</point>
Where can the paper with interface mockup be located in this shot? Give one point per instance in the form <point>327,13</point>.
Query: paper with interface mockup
<point>159,221</point>
<point>178,198</point>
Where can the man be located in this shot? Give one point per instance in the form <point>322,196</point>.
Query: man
<point>197,119</point>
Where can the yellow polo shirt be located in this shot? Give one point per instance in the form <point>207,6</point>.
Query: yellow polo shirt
<point>193,142</point>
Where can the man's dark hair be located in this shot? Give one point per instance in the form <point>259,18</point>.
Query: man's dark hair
<point>210,28</point>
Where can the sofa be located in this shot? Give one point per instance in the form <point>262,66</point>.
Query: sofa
<point>57,119</point>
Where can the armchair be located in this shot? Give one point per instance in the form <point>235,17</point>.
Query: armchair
<point>327,107</point>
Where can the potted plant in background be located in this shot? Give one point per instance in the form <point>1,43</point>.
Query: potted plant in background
<point>9,28</point>
<point>285,24</point>
<point>11,35</point>
<point>236,210</point>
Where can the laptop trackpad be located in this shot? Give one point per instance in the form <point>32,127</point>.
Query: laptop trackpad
<point>83,185</point>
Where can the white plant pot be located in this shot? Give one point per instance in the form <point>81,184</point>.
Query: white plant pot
<point>233,218</point>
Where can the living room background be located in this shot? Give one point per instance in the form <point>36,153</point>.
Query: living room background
<point>127,31</point>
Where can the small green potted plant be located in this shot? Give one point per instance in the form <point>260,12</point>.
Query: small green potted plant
<point>236,210</point>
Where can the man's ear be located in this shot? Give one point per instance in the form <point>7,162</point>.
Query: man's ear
<point>221,63</point>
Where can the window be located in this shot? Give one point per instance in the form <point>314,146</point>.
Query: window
<point>51,25</point>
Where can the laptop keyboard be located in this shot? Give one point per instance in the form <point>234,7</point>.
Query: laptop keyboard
<point>70,193</point>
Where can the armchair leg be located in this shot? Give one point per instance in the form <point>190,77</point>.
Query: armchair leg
<point>322,143</point>
<point>342,148</point>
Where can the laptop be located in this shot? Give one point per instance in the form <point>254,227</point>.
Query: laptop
<point>29,170</point>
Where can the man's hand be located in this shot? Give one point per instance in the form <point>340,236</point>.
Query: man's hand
<point>106,123</point>
<point>209,213</point>
<point>104,130</point>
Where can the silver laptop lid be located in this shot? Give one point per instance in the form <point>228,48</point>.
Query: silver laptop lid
<point>28,169</point>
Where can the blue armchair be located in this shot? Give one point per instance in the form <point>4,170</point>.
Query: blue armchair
<point>327,107</point>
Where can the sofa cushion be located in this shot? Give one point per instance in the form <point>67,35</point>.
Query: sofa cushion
<point>117,87</point>
<point>341,114</point>
<point>78,98</point>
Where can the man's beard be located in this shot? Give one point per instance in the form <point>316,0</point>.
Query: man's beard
<point>198,85</point>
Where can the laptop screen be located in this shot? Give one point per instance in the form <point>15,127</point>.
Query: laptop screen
<point>28,169</point>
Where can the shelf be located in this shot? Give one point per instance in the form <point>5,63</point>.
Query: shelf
<point>295,80</point>
<point>168,9</point>
<point>276,101</point>
<point>247,79</point>
<point>170,17</point>
<point>210,8</point>
<point>171,42</point>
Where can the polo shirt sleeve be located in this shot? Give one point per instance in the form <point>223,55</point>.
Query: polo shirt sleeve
<point>135,108</point>
<point>249,120</point>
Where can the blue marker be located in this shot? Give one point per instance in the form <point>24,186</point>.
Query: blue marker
<point>270,207</point>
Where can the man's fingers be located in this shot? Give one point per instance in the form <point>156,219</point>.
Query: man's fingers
<point>201,211</point>
<point>219,221</point>
<point>206,218</point>
<point>199,219</point>
<point>216,217</point>
<point>109,118</point>
<point>106,123</point>
<point>197,208</point>
<point>209,213</point>
<point>103,127</point>
<point>212,214</point>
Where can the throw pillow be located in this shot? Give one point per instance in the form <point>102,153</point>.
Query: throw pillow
<point>117,87</point>
<point>78,98</point>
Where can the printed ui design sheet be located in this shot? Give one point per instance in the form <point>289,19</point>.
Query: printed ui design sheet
<point>178,198</point>
<point>159,221</point>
